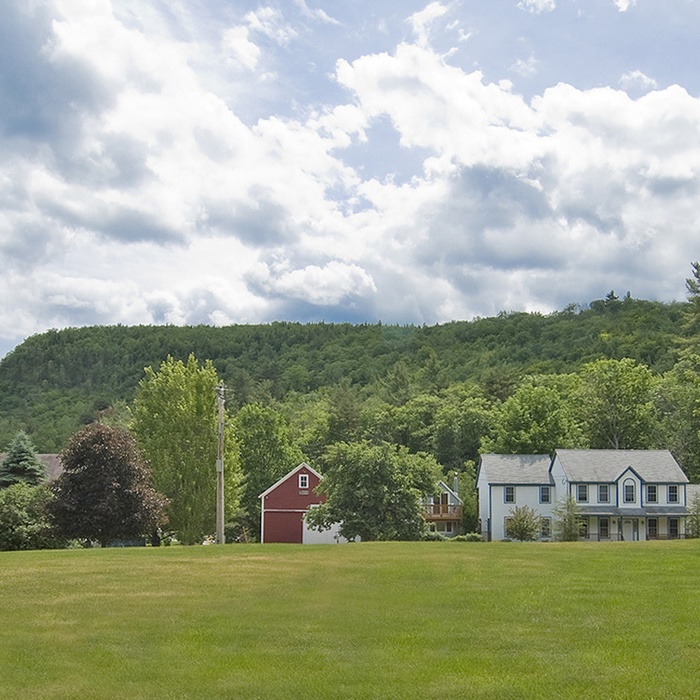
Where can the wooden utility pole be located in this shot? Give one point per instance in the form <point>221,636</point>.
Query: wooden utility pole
<point>221,398</point>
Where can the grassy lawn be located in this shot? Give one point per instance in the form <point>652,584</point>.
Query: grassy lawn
<point>385,620</point>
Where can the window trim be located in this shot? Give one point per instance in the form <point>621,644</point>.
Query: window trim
<point>676,497</point>
<point>652,488</point>
<point>509,494</point>
<point>629,483</point>
<point>303,481</point>
<point>607,493</point>
<point>545,489</point>
<point>581,493</point>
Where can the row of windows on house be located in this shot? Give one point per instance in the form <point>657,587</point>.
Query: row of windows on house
<point>629,493</point>
<point>603,527</point>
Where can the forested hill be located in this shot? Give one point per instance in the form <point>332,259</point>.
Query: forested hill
<point>54,381</point>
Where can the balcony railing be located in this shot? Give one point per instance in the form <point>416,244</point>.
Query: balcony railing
<point>442,511</point>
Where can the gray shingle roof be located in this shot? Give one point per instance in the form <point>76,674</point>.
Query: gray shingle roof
<point>653,466</point>
<point>515,469</point>
<point>52,464</point>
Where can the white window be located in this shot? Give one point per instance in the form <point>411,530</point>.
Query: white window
<point>630,492</point>
<point>652,496</point>
<point>509,494</point>
<point>545,494</point>
<point>673,494</point>
<point>303,481</point>
<point>582,493</point>
<point>603,493</point>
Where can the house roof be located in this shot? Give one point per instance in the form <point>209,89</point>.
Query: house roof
<point>52,464</point>
<point>653,466</point>
<point>299,467</point>
<point>515,469</point>
<point>442,485</point>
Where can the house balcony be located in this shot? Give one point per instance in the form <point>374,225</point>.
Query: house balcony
<point>442,511</point>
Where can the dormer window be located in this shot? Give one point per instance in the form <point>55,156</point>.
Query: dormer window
<point>303,481</point>
<point>630,492</point>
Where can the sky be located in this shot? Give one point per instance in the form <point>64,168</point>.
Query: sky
<point>403,161</point>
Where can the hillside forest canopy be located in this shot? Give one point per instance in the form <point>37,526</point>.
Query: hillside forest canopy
<point>622,372</point>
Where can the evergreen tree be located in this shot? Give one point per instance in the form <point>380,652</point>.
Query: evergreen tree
<point>21,464</point>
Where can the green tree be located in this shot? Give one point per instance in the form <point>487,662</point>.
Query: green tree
<point>266,454</point>
<point>176,426</point>
<point>615,404</point>
<point>24,519</point>
<point>374,491</point>
<point>693,521</point>
<point>523,524</point>
<point>105,491</point>
<point>567,522</point>
<point>534,420</point>
<point>21,463</point>
<point>692,316</point>
<point>677,406</point>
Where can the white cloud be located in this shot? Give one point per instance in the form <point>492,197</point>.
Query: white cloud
<point>538,6</point>
<point>624,5</point>
<point>421,21</point>
<point>270,22</point>
<point>135,191</point>
<point>526,67</point>
<point>238,45</point>
<point>636,81</point>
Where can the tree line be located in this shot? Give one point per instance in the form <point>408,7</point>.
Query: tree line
<point>402,407</point>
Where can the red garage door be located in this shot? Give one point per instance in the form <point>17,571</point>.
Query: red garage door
<point>283,527</point>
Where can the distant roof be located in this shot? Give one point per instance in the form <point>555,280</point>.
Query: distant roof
<point>607,465</point>
<point>52,464</point>
<point>515,469</point>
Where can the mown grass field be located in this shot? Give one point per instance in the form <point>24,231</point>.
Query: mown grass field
<point>374,620</point>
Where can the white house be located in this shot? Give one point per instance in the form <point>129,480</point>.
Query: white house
<point>620,494</point>
<point>443,512</point>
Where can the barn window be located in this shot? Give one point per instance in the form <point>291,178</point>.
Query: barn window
<point>303,481</point>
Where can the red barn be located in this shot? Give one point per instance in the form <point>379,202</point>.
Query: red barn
<point>284,505</point>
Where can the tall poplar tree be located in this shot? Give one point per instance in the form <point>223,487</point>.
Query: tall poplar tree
<point>175,423</point>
